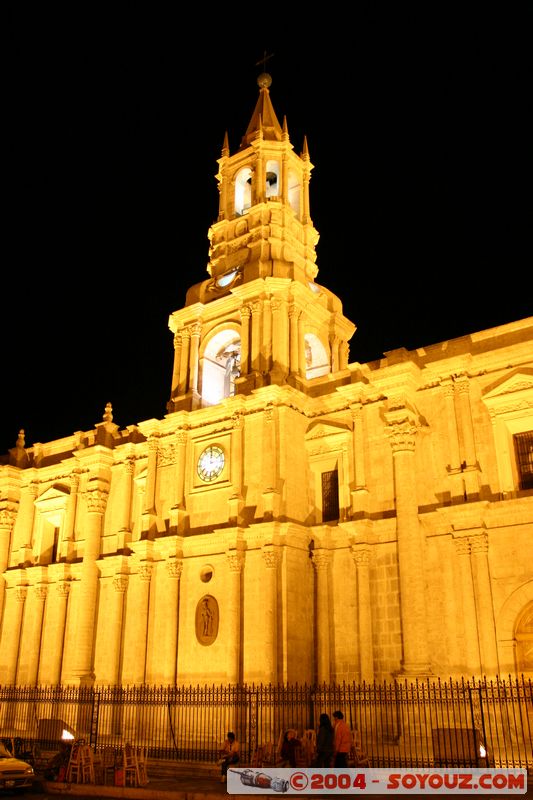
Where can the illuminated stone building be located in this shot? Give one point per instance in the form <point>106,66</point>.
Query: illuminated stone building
<point>294,517</point>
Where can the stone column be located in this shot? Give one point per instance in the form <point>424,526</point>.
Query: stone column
<point>194,360</point>
<point>143,590</point>
<point>174,569</point>
<point>280,341</point>
<point>270,594</point>
<point>174,389</point>
<point>184,365</point>
<point>7,522</point>
<point>451,425</point>
<point>266,349</point>
<point>334,352</point>
<point>69,536</point>
<point>151,474</point>
<point>469,616</point>
<point>233,670</point>
<point>27,521</point>
<point>235,502</point>
<point>256,337</point>
<point>116,615</point>
<point>83,670</point>
<point>40,592</point>
<point>361,557</point>
<point>178,513</point>
<point>270,465</point>
<point>360,491</point>
<point>127,492</point>
<point>302,361</point>
<point>470,469</point>
<point>245,340</point>
<point>10,643</point>
<point>452,441</point>
<point>411,544</point>
<point>486,624</point>
<point>57,646</point>
<point>321,562</point>
<point>294,314</point>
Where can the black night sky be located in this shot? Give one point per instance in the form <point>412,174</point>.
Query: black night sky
<point>418,120</point>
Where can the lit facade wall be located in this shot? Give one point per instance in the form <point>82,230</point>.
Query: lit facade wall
<point>128,558</point>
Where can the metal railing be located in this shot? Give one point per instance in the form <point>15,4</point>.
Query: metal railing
<point>400,724</point>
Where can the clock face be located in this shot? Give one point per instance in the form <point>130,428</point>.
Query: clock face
<point>211,463</point>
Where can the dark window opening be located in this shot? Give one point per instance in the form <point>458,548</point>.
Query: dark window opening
<point>523,443</point>
<point>330,496</point>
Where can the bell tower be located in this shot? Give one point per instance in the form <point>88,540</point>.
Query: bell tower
<point>260,318</point>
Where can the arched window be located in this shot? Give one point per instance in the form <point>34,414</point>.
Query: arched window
<point>272,187</point>
<point>316,357</point>
<point>243,190</point>
<point>294,192</point>
<point>220,366</point>
<point>524,641</point>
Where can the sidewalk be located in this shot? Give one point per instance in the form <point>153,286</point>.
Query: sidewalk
<point>188,782</point>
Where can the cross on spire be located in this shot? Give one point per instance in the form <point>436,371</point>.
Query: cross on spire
<point>262,61</point>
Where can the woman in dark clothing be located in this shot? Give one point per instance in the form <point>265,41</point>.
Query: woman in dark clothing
<point>288,748</point>
<point>324,742</point>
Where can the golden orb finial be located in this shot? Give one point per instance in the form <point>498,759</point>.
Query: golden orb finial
<point>264,80</point>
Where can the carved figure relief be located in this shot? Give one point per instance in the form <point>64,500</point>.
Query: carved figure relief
<point>207,620</point>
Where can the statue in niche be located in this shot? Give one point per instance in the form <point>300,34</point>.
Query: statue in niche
<point>207,620</point>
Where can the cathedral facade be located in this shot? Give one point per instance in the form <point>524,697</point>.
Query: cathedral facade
<point>294,517</point>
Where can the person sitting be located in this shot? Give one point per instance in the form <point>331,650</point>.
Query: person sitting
<point>288,749</point>
<point>228,755</point>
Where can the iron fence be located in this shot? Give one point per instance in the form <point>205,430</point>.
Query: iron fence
<point>400,724</point>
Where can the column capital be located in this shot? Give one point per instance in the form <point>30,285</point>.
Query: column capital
<point>33,487</point>
<point>63,588</point>
<point>462,546</point>
<point>120,582</point>
<point>96,501</point>
<point>321,558</point>
<point>360,555</point>
<point>7,518</point>
<point>479,543</point>
<point>270,556</point>
<point>181,437</point>
<point>145,571</point>
<point>235,561</point>
<point>463,383</point>
<point>401,435</point>
<point>237,420</point>
<point>41,591</point>
<point>174,567</point>
<point>153,443</point>
<point>21,592</point>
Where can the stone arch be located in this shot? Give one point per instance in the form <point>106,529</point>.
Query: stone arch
<point>316,357</point>
<point>512,620</point>
<point>243,190</point>
<point>220,358</point>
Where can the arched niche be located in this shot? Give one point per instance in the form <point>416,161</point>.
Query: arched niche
<point>220,366</point>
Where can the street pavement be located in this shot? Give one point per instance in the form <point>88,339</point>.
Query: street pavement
<point>186,782</point>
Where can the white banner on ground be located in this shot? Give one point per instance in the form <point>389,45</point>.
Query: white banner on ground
<point>308,780</point>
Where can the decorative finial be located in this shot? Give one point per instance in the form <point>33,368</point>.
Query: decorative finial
<point>264,80</point>
<point>21,440</point>
<point>108,415</point>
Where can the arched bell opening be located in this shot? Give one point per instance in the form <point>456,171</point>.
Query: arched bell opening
<point>316,357</point>
<point>220,366</point>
